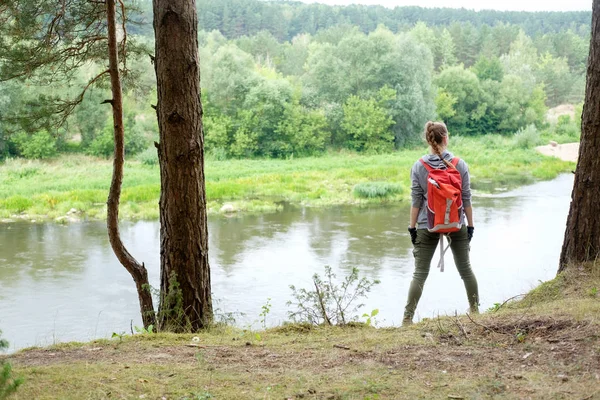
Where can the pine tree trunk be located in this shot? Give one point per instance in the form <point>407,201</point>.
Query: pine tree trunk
<point>582,236</point>
<point>138,271</point>
<point>184,232</point>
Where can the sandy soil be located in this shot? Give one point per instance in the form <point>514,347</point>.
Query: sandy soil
<point>567,152</point>
<point>563,109</point>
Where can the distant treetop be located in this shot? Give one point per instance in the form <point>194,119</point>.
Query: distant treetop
<point>286,19</point>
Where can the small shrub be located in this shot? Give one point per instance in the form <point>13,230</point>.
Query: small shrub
<point>40,145</point>
<point>265,310</point>
<point>148,156</point>
<point>8,383</point>
<point>171,315</point>
<point>330,303</point>
<point>527,137</point>
<point>371,190</point>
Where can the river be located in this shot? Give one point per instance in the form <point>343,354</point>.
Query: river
<point>62,283</point>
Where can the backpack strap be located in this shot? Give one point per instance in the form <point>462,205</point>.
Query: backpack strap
<point>443,251</point>
<point>428,167</point>
<point>452,163</point>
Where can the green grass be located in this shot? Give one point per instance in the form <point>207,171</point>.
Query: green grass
<point>373,190</point>
<point>50,189</point>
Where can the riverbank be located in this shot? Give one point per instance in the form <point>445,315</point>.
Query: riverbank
<point>75,187</point>
<point>545,345</point>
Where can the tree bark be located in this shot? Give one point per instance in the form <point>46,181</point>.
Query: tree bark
<point>582,236</point>
<point>184,232</point>
<point>138,271</point>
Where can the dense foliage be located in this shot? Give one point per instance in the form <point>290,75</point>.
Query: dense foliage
<point>283,79</point>
<point>287,19</point>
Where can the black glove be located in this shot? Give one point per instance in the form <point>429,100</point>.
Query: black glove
<point>413,235</point>
<point>470,230</point>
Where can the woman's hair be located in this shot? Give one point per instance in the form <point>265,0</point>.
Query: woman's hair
<point>435,132</point>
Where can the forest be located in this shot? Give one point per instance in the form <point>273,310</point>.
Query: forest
<point>233,151</point>
<point>359,78</point>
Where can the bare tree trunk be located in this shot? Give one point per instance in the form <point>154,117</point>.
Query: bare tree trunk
<point>138,271</point>
<point>184,231</point>
<point>582,236</point>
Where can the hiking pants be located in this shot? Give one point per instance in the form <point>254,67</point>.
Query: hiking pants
<point>424,249</point>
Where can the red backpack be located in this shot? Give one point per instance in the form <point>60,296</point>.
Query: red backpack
<point>444,198</point>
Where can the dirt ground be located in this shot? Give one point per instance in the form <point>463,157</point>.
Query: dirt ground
<point>544,345</point>
<point>517,357</point>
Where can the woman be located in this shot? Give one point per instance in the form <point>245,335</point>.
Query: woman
<point>426,242</point>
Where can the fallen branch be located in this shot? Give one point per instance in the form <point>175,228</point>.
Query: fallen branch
<point>509,299</point>
<point>339,346</point>
<point>460,326</point>
<point>484,326</point>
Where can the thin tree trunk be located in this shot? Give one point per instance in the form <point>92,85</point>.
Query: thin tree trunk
<point>582,236</point>
<point>184,231</point>
<point>138,271</point>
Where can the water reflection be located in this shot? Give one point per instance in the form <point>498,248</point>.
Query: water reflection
<point>60,283</point>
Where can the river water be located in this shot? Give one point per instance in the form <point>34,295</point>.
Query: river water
<point>62,283</point>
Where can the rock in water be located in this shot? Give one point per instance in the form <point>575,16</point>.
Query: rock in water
<point>227,208</point>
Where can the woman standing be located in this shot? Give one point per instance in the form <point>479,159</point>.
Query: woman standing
<point>426,242</point>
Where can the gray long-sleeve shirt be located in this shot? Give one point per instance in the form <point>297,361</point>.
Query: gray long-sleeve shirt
<point>418,177</point>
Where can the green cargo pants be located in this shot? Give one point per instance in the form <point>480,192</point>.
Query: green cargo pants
<point>424,249</point>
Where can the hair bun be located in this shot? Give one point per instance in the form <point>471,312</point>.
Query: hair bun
<point>429,126</point>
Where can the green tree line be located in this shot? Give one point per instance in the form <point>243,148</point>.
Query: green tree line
<point>287,19</point>
<point>339,88</point>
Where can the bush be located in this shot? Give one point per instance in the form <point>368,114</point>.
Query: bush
<point>103,144</point>
<point>527,137</point>
<point>367,126</point>
<point>567,127</point>
<point>372,190</point>
<point>40,145</point>
<point>148,156</point>
<point>303,131</point>
<point>330,303</point>
<point>8,383</point>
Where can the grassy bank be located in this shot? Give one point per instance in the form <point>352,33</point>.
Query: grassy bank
<point>544,346</point>
<point>36,189</point>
